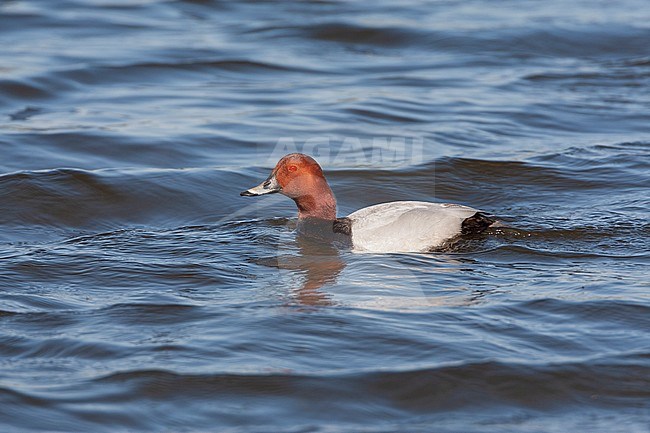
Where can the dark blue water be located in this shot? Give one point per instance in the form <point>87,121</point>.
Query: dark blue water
<point>140,292</point>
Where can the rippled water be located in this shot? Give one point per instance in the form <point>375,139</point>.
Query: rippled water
<point>139,292</point>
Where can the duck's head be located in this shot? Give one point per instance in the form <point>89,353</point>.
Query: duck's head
<point>299,177</point>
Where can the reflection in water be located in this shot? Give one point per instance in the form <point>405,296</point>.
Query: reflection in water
<point>313,253</point>
<point>404,281</point>
<point>315,256</point>
<point>321,265</point>
<point>312,249</point>
<point>320,260</point>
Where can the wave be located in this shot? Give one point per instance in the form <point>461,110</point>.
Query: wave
<point>35,149</point>
<point>105,199</point>
<point>57,84</point>
<point>135,72</point>
<point>481,385</point>
<point>501,43</point>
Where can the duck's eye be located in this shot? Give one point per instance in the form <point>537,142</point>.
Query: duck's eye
<point>292,168</point>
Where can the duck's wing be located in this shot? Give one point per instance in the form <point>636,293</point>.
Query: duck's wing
<point>411,226</point>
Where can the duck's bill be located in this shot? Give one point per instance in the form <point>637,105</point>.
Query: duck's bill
<point>269,186</point>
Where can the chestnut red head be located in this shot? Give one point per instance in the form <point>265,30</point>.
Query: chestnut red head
<point>299,177</point>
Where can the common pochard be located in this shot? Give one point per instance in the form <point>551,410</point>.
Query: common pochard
<point>398,226</point>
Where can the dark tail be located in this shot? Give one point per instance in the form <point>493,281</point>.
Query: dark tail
<point>476,224</point>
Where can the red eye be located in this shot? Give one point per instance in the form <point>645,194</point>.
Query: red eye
<point>292,168</point>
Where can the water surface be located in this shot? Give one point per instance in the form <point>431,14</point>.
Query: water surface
<point>139,292</point>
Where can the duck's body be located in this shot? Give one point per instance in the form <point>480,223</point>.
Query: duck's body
<point>407,226</point>
<point>399,226</point>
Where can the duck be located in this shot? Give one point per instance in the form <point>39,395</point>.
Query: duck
<point>391,227</point>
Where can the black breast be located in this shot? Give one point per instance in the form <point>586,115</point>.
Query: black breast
<point>343,226</point>
<point>337,232</point>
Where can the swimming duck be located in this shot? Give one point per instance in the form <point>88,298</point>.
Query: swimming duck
<point>398,226</point>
